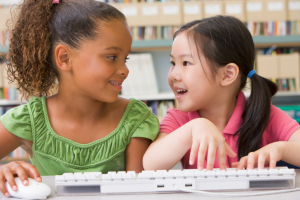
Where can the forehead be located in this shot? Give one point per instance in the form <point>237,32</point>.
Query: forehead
<point>183,44</point>
<point>115,33</point>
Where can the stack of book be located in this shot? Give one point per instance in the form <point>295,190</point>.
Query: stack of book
<point>281,65</point>
<point>7,90</point>
<point>159,108</point>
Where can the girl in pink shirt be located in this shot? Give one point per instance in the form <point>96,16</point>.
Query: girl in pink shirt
<point>214,125</point>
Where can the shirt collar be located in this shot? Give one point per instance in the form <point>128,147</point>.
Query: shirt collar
<point>236,121</point>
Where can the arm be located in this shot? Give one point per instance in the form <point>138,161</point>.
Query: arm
<point>200,134</point>
<point>134,153</point>
<point>8,143</point>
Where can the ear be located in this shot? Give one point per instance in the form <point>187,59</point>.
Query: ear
<point>63,57</point>
<point>229,74</point>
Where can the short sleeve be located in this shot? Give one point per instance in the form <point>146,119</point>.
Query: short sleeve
<point>17,122</point>
<point>170,122</point>
<point>281,125</point>
<point>148,128</point>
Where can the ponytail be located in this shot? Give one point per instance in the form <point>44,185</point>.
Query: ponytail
<point>38,27</point>
<point>28,63</point>
<point>256,115</point>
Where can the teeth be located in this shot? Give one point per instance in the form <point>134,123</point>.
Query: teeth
<point>181,90</point>
<point>114,83</point>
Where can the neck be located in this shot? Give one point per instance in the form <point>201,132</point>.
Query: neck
<point>219,115</point>
<point>77,107</point>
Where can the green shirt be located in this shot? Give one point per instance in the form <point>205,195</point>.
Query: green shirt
<point>55,155</point>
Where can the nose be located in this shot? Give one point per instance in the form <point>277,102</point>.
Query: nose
<point>174,73</point>
<point>123,70</point>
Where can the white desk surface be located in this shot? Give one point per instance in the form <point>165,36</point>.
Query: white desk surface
<point>178,196</point>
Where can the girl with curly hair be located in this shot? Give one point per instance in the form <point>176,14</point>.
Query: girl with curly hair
<point>83,45</point>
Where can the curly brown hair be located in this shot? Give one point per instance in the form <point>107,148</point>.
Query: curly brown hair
<point>38,26</point>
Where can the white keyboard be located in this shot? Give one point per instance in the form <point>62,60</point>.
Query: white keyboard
<point>162,181</point>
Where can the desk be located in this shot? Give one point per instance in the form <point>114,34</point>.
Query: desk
<point>49,180</point>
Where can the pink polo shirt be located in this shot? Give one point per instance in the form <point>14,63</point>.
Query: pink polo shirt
<point>280,128</point>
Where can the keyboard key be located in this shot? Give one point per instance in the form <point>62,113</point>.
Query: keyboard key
<point>211,174</point>
<point>179,175</point>
<point>201,174</point>
<point>273,172</point>
<point>252,173</point>
<point>116,177</point>
<point>221,174</point>
<point>287,172</point>
<point>93,176</point>
<point>59,178</point>
<point>69,177</point>
<point>158,175</point>
<point>263,172</point>
<point>169,175</point>
<point>242,173</point>
<point>231,173</point>
<point>106,177</point>
<point>112,173</point>
<point>190,174</point>
<point>127,177</point>
<point>132,173</point>
<point>79,176</point>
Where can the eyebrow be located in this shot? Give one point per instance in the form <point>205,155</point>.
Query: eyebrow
<point>114,48</point>
<point>182,55</point>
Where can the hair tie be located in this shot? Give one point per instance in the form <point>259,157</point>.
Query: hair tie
<point>250,74</point>
<point>55,2</point>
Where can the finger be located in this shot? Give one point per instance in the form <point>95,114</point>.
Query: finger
<point>273,161</point>
<point>252,158</point>
<point>261,160</point>
<point>222,156</point>
<point>229,151</point>
<point>202,154</point>
<point>22,174</point>
<point>235,164</point>
<point>242,163</point>
<point>3,187</point>
<point>9,177</point>
<point>194,150</point>
<point>211,156</point>
<point>32,171</point>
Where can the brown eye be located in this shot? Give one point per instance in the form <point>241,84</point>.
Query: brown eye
<point>186,63</point>
<point>172,63</point>
<point>112,57</point>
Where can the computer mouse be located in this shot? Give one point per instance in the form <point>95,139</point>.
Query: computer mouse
<point>34,190</point>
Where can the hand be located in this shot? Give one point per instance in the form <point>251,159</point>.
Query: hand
<point>268,154</point>
<point>20,168</point>
<point>206,136</point>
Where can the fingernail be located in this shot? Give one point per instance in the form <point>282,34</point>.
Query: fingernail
<point>200,168</point>
<point>190,162</point>
<point>6,194</point>
<point>25,182</point>
<point>38,179</point>
<point>15,187</point>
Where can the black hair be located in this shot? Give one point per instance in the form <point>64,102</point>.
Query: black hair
<point>224,40</point>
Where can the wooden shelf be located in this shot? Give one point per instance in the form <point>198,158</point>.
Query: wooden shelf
<point>5,102</point>
<point>259,41</point>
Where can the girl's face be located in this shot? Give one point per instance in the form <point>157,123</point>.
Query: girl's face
<point>191,80</point>
<point>99,66</point>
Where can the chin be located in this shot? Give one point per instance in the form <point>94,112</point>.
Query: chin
<point>182,108</point>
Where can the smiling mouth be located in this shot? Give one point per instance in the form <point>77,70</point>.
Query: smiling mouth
<point>114,83</point>
<point>181,92</point>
